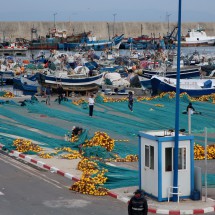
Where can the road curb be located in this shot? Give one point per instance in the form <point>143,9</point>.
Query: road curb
<point>169,212</point>
<point>53,169</point>
<point>41,164</point>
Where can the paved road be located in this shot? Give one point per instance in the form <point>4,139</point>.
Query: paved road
<point>26,189</point>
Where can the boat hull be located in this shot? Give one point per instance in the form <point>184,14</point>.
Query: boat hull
<point>43,46</point>
<point>6,77</point>
<point>98,45</point>
<point>200,44</point>
<point>18,84</point>
<point>13,52</point>
<point>72,83</point>
<point>160,85</point>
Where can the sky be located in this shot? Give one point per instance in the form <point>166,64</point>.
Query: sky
<point>107,10</point>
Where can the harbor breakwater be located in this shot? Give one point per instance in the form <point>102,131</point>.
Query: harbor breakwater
<point>102,30</point>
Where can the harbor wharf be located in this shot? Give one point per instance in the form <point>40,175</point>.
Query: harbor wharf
<point>101,29</point>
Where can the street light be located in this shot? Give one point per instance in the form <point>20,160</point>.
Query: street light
<point>114,15</point>
<point>108,30</point>
<point>3,36</point>
<point>54,19</point>
<point>168,15</point>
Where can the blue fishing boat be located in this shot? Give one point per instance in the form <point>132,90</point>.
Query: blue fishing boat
<point>185,72</point>
<point>28,84</point>
<point>6,77</point>
<point>193,87</point>
<point>71,82</point>
<point>90,42</point>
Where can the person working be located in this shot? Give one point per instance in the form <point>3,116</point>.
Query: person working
<point>76,130</point>
<point>138,204</point>
<point>48,92</point>
<point>60,92</point>
<point>130,101</point>
<point>190,106</point>
<point>91,105</point>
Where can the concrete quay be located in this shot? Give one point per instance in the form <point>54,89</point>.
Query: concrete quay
<point>68,169</point>
<point>102,30</point>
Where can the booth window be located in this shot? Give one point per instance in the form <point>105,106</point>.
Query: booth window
<point>149,156</point>
<point>169,159</point>
<point>182,158</point>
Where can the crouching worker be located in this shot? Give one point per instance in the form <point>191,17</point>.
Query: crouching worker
<point>76,131</point>
<point>138,204</point>
<point>190,108</point>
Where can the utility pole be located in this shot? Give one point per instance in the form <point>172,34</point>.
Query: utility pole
<point>141,30</point>
<point>3,36</point>
<point>114,15</point>
<point>108,30</point>
<point>54,19</point>
<point>177,97</point>
<point>168,15</point>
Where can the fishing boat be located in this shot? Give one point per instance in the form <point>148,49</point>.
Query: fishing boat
<point>6,77</point>
<point>193,87</point>
<point>49,42</point>
<point>185,72</point>
<point>13,49</point>
<point>90,42</point>
<point>80,81</point>
<point>197,37</point>
<point>26,84</point>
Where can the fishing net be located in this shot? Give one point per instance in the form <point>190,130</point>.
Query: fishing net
<point>47,126</point>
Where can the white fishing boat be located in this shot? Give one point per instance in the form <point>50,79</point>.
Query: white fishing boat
<point>186,72</point>
<point>193,87</point>
<point>197,37</point>
<point>13,49</point>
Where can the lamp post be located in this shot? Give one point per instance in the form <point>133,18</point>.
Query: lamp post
<point>168,15</point>
<point>175,164</point>
<point>3,36</point>
<point>108,30</point>
<point>141,30</point>
<point>54,19</point>
<point>114,15</point>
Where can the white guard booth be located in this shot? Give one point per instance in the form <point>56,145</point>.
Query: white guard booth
<point>156,152</point>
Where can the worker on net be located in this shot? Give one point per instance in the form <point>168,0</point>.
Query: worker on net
<point>192,109</point>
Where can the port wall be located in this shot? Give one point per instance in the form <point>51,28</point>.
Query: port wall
<point>102,30</point>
